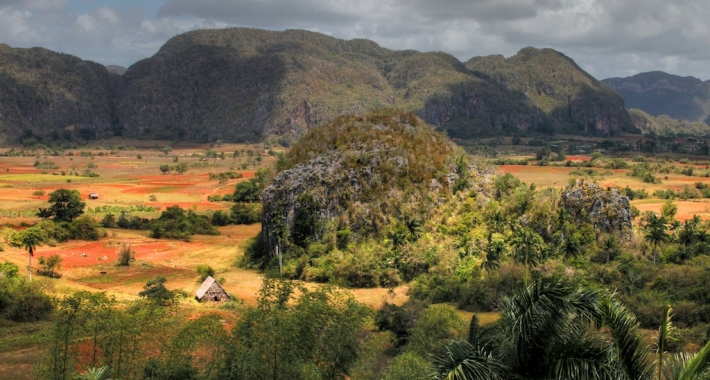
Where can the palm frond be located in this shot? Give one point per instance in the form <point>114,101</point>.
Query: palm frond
<point>582,358</point>
<point>665,332</point>
<point>459,360</point>
<point>538,316</point>
<point>632,351</point>
<point>96,373</point>
<point>696,365</point>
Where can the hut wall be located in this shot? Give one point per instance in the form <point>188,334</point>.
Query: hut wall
<point>215,293</point>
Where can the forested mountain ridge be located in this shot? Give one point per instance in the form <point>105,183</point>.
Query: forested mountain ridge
<point>573,99</point>
<point>659,93</point>
<point>240,84</point>
<point>55,96</point>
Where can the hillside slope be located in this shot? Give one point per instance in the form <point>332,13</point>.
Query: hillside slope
<point>573,99</point>
<point>56,96</point>
<point>241,84</point>
<point>659,93</point>
<point>664,125</point>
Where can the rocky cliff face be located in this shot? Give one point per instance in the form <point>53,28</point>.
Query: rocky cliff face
<point>241,84</point>
<point>572,100</point>
<point>659,93</point>
<point>357,173</point>
<point>47,95</point>
<point>606,210</point>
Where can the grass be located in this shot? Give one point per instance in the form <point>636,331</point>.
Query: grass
<point>38,178</point>
<point>17,336</point>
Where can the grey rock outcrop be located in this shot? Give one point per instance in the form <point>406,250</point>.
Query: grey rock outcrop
<point>607,210</point>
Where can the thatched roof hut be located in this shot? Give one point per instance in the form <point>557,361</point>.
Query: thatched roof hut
<point>211,290</point>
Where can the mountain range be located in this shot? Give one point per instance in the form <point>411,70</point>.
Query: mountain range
<point>659,93</point>
<point>241,84</point>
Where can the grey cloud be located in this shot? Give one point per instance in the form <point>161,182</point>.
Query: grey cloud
<point>266,14</point>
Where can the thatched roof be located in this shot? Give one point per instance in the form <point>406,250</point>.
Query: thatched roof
<point>209,281</point>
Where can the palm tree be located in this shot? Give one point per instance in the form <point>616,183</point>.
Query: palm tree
<point>655,232</point>
<point>497,248</point>
<point>29,239</point>
<point>528,246</point>
<point>570,247</point>
<point>93,373</point>
<point>550,330</point>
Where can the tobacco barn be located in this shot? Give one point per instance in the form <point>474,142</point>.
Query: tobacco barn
<point>211,290</point>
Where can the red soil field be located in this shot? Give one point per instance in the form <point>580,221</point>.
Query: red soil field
<point>95,251</point>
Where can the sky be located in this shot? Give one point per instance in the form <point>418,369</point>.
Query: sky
<point>607,38</point>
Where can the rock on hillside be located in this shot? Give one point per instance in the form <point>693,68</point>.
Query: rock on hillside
<point>605,209</point>
<point>44,94</point>
<point>357,173</point>
<point>573,100</point>
<point>658,93</point>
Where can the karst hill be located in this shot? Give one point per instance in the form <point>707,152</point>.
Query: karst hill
<point>240,84</point>
<point>658,93</point>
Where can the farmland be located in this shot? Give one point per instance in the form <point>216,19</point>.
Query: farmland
<point>127,177</point>
<point>125,182</point>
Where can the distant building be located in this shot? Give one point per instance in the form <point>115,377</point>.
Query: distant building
<point>211,290</point>
<point>94,196</point>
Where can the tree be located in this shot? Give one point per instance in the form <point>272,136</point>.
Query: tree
<point>155,291</point>
<point>205,271</point>
<point>66,205</point>
<point>655,231</point>
<point>460,360</point>
<point>246,191</point>
<point>550,330</point>
<point>166,150</point>
<point>527,247</point>
<point>165,168</point>
<point>38,193</point>
<point>497,248</point>
<point>181,168</point>
<point>610,247</point>
<point>49,264</point>
<point>669,209</point>
<point>28,239</point>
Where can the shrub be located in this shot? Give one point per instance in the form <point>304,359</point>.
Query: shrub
<point>49,264</point>
<point>85,228</point>
<point>246,213</point>
<point>205,271</point>
<point>125,255</point>
<point>23,301</point>
<point>220,218</point>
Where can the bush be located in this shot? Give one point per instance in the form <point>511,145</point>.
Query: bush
<point>220,218</point>
<point>205,271</point>
<point>23,301</point>
<point>85,228</point>
<point>247,191</point>
<point>125,255</point>
<point>246,213</point>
